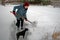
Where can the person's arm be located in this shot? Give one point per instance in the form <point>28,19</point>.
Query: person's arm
<point>14,9</point>
<point>25,16</point>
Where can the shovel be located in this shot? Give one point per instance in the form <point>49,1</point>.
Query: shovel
<point>33,23</point>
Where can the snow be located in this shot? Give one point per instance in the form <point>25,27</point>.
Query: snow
<point>47,19</point>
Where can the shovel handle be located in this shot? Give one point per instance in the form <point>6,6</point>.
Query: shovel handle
<point>29,21</point>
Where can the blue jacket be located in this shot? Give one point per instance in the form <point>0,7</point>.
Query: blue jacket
<point>21,11</point>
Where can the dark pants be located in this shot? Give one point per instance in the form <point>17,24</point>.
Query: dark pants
<point>20,22</point>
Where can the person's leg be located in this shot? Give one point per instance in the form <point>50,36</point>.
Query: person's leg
<point>18,23</point>
<point>22,21</point>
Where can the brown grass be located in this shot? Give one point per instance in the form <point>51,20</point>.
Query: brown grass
<point>55,35</point>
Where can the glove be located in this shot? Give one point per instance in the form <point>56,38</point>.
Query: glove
<point>26,19</point>
<point>14,12</point>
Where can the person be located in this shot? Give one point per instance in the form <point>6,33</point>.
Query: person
<point>21,14</point>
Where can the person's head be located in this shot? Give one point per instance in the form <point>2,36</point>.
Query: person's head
<point>26,5</point>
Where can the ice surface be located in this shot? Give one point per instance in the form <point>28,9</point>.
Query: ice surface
<point>47,19</point>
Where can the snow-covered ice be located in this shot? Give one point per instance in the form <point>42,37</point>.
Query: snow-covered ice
<point>47,19</point>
